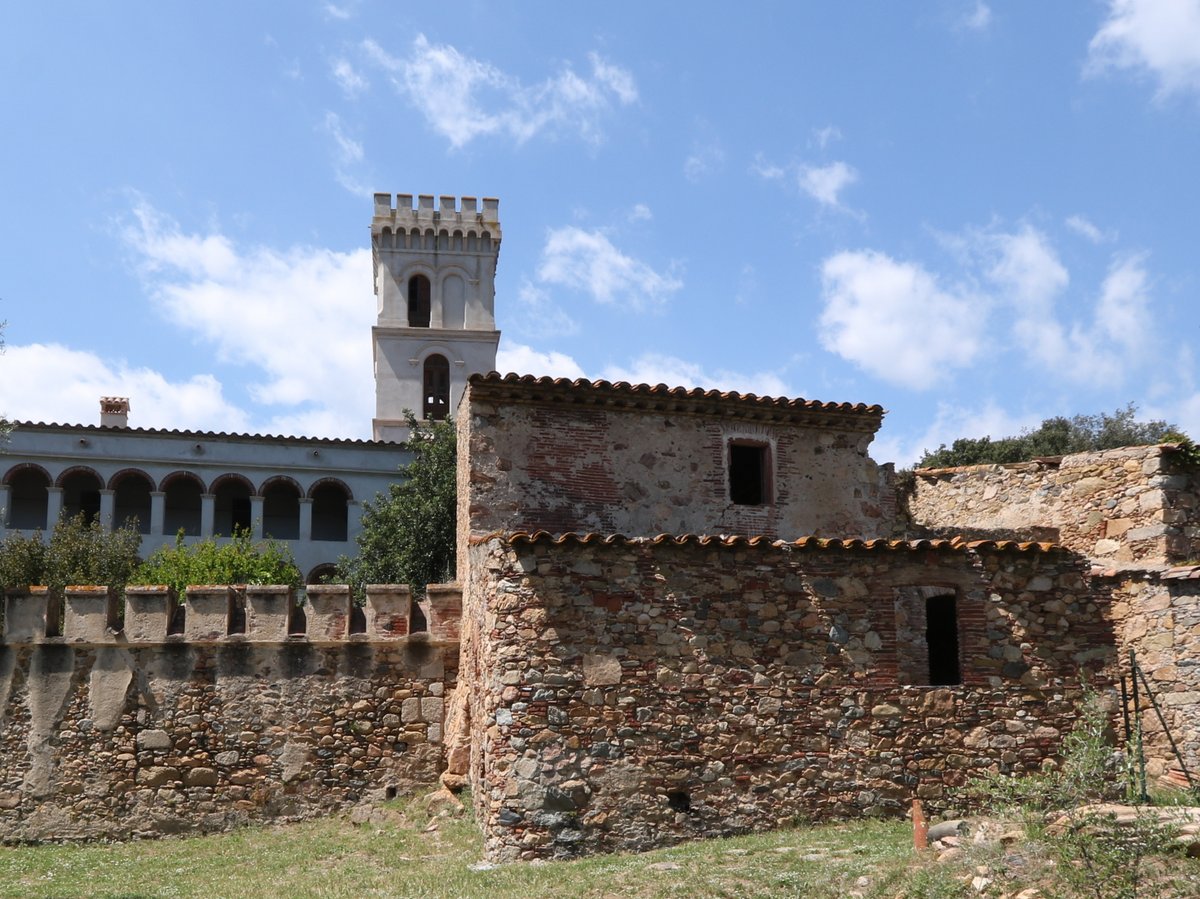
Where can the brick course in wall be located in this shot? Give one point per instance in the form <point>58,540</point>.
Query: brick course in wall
<point>632,693</point>
<point>551,455</point>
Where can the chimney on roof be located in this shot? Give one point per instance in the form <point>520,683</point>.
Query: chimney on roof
<point>114,411</point>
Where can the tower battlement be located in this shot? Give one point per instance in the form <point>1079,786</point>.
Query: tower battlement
<point>448,213</point>
<point>435,280</point>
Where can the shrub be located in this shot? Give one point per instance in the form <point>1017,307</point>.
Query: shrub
<point>1058,437</point>
<point>242,560</point>
<point>22,560</point>
<point>79,552</point>
<point>1094,855</point>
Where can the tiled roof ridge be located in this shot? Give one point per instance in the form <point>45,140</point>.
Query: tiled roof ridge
<point>210,435</point>
<point>664,392</point>
<point>733,540</point>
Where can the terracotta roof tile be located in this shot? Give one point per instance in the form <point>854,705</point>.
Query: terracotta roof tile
<point>660,397</point>
<point>734,540</point>
<point>206,435</point>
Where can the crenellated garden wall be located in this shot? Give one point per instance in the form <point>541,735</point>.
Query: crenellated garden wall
<point>237,710</point>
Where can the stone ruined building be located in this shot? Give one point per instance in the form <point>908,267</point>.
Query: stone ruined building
<point>687,614</point>
<point>1134,515</point>
<point>679,614</point>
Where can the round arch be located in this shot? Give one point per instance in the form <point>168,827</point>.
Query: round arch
<point>222,480</point>
<point>181,503</point>
<point>23,467</point>
<point>181,475</point>
<point>275,481</point>
<point>75,470</point>
<point>281,507</point>
<point>320,574</point>
<point>81,486</point>
<point>330,481</point>
<point>131,489</point>
<point>231,504</point>
<point>28,496</point>
<point>330,509</point>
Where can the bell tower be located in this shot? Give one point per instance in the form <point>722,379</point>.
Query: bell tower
<point>435,281</point>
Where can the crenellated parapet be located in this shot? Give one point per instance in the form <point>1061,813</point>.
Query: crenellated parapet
<point>449,215</point>
<point>98,616</point>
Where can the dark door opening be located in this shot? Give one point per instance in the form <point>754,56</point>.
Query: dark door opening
<point>941,636</point>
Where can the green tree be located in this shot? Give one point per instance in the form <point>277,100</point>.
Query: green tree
<point>241,560</point>
<point>1057,436</point>
<point>79,552</point>
<point>409,534</point>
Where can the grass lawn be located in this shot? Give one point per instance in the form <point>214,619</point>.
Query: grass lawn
<point>333,858</point>
<point>411,854</point>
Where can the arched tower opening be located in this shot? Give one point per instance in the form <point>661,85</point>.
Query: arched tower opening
<point>436,294</point>
<point>436,393</point>
<point>418,301</point>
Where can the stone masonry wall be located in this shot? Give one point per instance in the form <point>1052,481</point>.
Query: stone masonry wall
<point>1157,614</point>
<point>632,693</point>
<point>120,729</point>
<point>540,464</point>
<point>1126,504</point>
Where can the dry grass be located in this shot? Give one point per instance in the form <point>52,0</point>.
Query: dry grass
<point>414,855</point>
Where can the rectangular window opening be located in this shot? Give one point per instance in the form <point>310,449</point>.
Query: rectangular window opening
<point>941,636</point>
<point>749,474</point>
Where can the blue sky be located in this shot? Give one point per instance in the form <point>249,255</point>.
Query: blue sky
<point>976,214</point>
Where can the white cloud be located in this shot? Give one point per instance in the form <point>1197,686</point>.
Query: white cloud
<point>515,357</point>
<point>1159,38</point>
<point>768,171</point>
<point>823,183</point>
<point>827,135</point>
<point>39,377</point>
<point>1027,267</point>
<point>658,368</point>
<point>464,98</point>
<point>348,157</point>
<point>1085,228</point>
<point>333,11</point>
<point>978,18</point>
<point>588,261</point>
<point>539,316</point>
<point>640,213</point>
<point>704,160</point>
<point>296,316</point>
<point>895,320</point>
<point>349,80</point>
<point>1123,310</point>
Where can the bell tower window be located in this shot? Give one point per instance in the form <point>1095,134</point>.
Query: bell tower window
<point>418,302</point>
<point>437,388</point>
